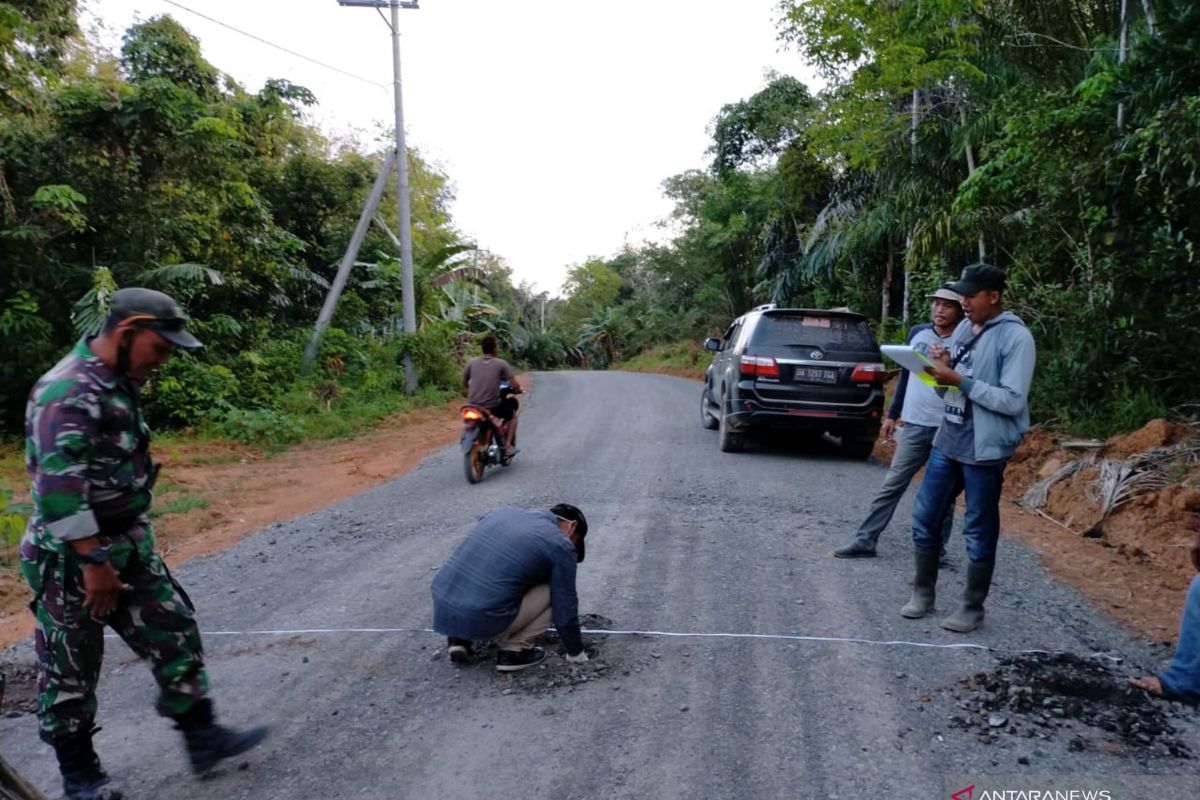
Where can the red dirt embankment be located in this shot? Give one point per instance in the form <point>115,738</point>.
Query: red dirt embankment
<point>238,490</point>
<point>1135,563</point>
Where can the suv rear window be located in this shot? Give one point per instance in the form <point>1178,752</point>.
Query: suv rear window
<point>828,333</point>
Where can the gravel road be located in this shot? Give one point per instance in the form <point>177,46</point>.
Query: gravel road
<point>683,538</point>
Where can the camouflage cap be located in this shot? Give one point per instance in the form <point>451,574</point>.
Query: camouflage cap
<point>152,309</point>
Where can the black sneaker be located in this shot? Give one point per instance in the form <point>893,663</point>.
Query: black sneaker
<point>513,660</point>
<point>459,650</point>
<point>855,549</point>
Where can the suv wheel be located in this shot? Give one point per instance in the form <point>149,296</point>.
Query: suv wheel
<point>727,440</point>
<point>707,419</point>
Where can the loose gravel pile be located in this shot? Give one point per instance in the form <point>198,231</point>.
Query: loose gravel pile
<point>555,675</point>
<point>1062,695</point>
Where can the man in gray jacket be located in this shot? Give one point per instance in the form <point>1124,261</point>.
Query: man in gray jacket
<point>988,369</point>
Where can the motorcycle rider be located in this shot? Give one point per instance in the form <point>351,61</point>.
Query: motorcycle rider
<point>482,377</point>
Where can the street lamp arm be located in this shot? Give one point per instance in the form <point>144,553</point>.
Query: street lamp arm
<point>379,3</point>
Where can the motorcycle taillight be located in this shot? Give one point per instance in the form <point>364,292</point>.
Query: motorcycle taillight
<point>471,415</point>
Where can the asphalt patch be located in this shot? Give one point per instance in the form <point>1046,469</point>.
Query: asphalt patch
<point>1064,696</point>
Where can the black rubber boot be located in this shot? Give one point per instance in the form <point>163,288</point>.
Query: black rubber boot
<point>856,549</point>
<point>924,584</point>
<point>970,616</point>
<point>82,776</point>
<point>208,742</point>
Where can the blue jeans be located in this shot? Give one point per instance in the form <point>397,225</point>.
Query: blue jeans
<point>913,443</point>
<point>944,479</point>
<point>1182,678</point>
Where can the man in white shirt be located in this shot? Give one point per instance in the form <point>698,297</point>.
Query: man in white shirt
<point>913,419</point>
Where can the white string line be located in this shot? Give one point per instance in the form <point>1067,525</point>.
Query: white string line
<point>684,634</point>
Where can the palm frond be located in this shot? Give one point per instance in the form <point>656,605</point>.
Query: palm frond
<point>181,274</point>
<point>303,275</point>
<point>463,273</point>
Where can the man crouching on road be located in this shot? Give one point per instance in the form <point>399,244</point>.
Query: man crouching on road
<point>513,574</point>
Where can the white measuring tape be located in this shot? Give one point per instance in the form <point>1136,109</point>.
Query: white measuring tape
<point>679,634</point>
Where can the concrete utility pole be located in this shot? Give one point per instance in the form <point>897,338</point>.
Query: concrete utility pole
<point>343,273</point>
<point>402,188</point>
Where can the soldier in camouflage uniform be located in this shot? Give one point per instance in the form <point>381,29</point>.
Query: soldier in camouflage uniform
<point>88,553</point>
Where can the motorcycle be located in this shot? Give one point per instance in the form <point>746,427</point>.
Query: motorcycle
<point>483,437</point>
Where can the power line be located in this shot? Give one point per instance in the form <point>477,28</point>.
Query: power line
<point>276,46</point>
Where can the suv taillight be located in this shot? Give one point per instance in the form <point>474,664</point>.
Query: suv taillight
<point>760,367</point>
<point>869,372</point>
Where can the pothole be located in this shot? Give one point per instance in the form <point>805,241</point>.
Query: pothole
<point>555,674</point>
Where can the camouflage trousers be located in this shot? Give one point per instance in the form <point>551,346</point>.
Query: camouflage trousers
<point>153,617</point>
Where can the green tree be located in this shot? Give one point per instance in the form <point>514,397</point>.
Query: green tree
<point>590,288</point>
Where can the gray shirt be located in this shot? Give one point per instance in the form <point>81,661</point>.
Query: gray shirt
<point>483,376</point>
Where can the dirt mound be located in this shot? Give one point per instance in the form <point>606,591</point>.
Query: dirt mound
<point>1158,527</point>
<point>1154,434</point>
<point>1152,503</point>
<point>1060,695</point>
<point>1039,447</point>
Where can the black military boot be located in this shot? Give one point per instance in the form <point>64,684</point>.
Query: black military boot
<point>924,584</point>
<point>208,742</point>
<point>970,616</point>
<point>82,776</point>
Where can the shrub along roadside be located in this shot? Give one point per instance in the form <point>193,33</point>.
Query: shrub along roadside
<point>686,358</point>
<point>357,383</point>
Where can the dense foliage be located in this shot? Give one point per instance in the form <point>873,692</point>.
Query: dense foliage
<point>948,130</point>
<point>152,168</point>
<point>953,130</point>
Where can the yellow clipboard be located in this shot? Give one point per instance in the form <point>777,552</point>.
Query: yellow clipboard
<point>914,361</point>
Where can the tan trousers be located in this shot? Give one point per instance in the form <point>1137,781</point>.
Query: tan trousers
<point>533,619</point>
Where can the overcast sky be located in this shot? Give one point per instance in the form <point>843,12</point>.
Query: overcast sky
<point>556,120</point>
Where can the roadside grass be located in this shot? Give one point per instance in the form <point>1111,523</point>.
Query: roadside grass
<point>357,414</point>
<point>13,514</point>
<point>1125,409</point>
<point>178,505</point>
<point>303,416</point>
<point>687,358</point>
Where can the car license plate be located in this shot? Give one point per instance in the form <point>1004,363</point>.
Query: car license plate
<point>815,375</point>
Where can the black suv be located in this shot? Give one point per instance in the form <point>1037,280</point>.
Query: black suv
<point>796,368</point>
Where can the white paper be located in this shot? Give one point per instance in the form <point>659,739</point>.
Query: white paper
<point>911,360</point>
